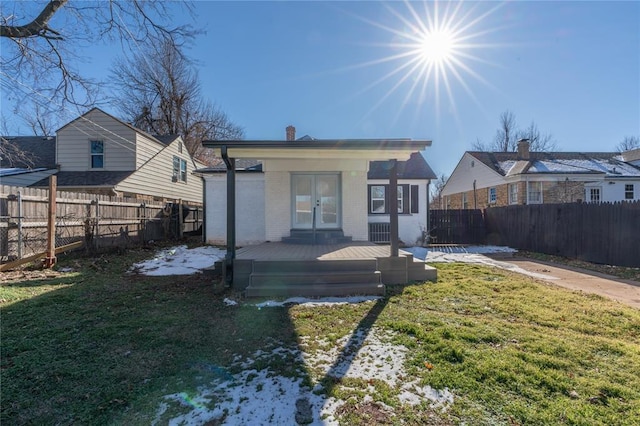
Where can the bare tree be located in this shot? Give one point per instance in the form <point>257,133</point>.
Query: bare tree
<point>41,121</point>
<point>436,191</point>
<point>11,155</point>
<point>539,142</point>
<point>159,92</point>
<point>40,40</point>
<point>628,143</point>
<point>508,134</point>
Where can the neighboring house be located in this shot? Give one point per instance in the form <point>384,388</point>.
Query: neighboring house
<point>486,179</point>
<point>98,153</point>
<point>414,176</point>
<point>37,161</point>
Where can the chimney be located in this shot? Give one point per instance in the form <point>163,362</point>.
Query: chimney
<point>291,133</point>
<point>523,149</point>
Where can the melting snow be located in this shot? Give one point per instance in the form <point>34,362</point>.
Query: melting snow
<point>262,397</point>
<point>179,261</point>
<point>317,301</point>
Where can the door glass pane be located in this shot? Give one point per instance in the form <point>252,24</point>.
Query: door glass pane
<point>303,204</point>
<point>327,195</point>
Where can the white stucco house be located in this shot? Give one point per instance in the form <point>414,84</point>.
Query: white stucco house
<point>335,196</point>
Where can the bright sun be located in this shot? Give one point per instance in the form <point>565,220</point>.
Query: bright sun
<point>437,46</point>
<point>433,47</point>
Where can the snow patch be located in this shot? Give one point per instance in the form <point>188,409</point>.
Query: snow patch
<point>321,301</point>
<point>255,396</point>
<point>179,260</point>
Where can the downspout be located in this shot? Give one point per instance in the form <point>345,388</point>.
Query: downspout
<point>393,206</point>
<point>231,214</point>
<point>428,223</point>
<point>204,208</point>
<point>475,196</point>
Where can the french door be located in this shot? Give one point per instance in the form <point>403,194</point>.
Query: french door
<point>315,197</point>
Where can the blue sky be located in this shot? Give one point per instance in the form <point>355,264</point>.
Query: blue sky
<point>572,67</point>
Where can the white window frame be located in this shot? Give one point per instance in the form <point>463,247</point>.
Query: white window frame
<point>383,198</point>
<point>534,188</point>
<point>179,170</point>
<point>493,195</point>
<point>598,194</point>
<point>93,155</point>
<point>513,193</point>
<point>465,202</point>
<point>629,191</point>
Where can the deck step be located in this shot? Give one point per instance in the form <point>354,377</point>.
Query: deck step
<point>319,236</point>
<point>301,278</point>
<point>314,266</point>
<point>317,290</point>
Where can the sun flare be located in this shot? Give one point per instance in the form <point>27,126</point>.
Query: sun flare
<point>437,46</point>
<point>434,47</point>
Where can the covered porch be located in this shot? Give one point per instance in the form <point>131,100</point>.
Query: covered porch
<point>280,269</point>
<point>315,199</point>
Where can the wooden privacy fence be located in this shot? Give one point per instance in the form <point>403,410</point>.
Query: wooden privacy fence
<point>607,233</point>
<point>456,227</point>
<point>98,221</point>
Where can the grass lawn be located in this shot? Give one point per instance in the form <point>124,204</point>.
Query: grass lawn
<point>100,346</point>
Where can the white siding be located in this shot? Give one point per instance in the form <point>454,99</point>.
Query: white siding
<point>154,178</point>
<point>614,190</point>
<point>146,148</point>
<point>250,224</point>
<point>278,194</point>
<point>468,170</point>
<point>410,226</point>
<point>73,149</point>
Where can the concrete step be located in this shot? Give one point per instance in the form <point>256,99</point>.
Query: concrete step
<point>314,266</point>
<point>303,278</point>
<point>317,290</point>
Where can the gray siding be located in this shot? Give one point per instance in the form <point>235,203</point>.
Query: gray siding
<point>154,177</point>
<point>73,149</point>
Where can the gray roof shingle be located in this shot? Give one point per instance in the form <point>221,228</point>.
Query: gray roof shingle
<point>416,167</point>
<point>40,149</point>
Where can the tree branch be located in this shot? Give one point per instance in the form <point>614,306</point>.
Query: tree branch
<point>38,27</point>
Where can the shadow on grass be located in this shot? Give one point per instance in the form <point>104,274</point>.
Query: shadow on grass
<point>107,341</point>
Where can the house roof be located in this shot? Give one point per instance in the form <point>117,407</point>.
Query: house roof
<point>90,178</point>
<point>602,163</point>
<point>166,139</point>
<point>368,149</point>
<point>242,165</point>
<point>416,167</point>
<point>40,149</point>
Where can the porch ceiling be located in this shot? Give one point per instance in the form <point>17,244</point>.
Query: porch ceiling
<point>368,149</point>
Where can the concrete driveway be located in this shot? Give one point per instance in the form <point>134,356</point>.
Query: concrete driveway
<point>624,291</point>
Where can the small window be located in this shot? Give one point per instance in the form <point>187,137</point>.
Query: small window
<point>493,196</point>
<point>180,147</point>
<point>97,154</point>
<point>594,195</point>
<point>534,193</point>
<point>465,203</point>
<point>377,199</point>
<point>179,170</point>
<point>628,191</point>
<point>513,193</point>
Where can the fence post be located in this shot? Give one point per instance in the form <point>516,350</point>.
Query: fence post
<point>50,260</point>
<point>96,223</point>
<point>180,220</point>
<point>19,225</point>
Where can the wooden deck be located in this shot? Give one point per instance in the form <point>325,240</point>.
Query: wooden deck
<point>348,251</point>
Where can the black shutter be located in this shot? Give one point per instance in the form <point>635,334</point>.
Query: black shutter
<point>387,203</point>
<point>405,199</point>
<point>414,199</point>
<point>369,198</point>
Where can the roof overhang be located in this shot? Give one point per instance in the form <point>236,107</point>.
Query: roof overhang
<point>367,149</point>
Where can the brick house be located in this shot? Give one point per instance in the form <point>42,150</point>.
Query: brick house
<point>487,179</point>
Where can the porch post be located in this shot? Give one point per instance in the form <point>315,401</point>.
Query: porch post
<point>231,214</point>
<point>393,207</point>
